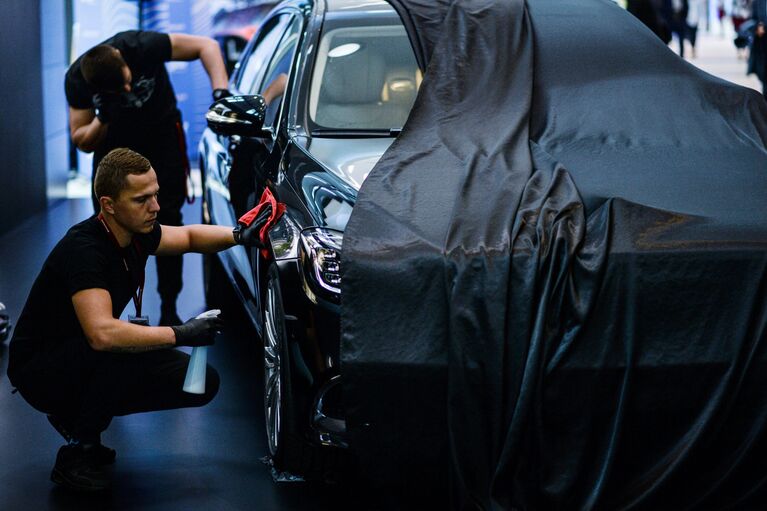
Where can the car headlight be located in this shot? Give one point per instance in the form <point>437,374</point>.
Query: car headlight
<point>323,248</point>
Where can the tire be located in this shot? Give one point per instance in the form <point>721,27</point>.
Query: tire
<point>280,423</point>
<point>289,448</point>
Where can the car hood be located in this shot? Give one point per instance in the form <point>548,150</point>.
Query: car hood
<point>349,159</point>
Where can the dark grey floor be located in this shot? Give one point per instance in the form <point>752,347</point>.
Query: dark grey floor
<point>205,458</point>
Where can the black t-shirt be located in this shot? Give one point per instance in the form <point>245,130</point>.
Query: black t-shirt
<point>85,258</point>
<point>151,101</point>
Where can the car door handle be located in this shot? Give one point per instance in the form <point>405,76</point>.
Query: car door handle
<point>234,143</point>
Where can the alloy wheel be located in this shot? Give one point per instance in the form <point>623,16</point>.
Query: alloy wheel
<point>272,373</point>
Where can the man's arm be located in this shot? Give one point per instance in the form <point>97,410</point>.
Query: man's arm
<point>193,47</point>
<point>276,88</point>
<point>86,129</point>
<point>105,333</point>
<point>194,238</point>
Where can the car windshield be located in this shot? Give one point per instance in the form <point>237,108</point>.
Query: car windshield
<point>365,76</point>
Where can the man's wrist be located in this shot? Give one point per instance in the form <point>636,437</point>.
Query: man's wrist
<point>237,234</point>
<point>221,93</point>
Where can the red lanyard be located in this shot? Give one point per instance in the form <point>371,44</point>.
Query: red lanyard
<point>138,295</point>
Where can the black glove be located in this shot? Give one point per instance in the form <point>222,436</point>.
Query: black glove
<point>220,94</point>
<point>197,331</point>
<point>250,234</point>
<point>107,107</point>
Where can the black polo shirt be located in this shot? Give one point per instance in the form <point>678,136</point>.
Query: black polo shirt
<point>85,258</point>
<point>152,101</point>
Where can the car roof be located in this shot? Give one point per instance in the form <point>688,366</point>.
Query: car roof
<point>352,6</point>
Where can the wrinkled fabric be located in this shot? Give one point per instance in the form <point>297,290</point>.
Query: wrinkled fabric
<point>553,282</point>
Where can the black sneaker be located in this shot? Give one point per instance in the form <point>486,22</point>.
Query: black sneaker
<point>102,455</point>
<point>76,469</point>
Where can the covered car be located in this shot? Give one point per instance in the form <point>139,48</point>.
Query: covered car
<point>553,281</point>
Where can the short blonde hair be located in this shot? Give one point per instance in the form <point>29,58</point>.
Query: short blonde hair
<point>114,168</point>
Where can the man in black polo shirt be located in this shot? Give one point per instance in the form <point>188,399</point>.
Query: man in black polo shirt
<point>119,95</point>
<point>71,358</point>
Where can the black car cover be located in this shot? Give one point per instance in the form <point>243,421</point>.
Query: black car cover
<point>553,282</point>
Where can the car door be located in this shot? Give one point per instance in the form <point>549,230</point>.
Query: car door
<point>265,154</point>
<point>228,192</point>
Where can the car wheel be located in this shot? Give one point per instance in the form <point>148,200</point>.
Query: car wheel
<point>289,447</point>
<point>277,411</point>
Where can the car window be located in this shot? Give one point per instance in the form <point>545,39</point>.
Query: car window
<point>253,67</point>
<point>276,77</point>
<point>365,75</point>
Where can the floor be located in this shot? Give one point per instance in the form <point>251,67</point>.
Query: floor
<point>204,458</point>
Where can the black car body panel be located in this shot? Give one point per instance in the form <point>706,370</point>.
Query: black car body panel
<point>316,171</point>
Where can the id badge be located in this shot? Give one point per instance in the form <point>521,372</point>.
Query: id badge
<point>139,320</point>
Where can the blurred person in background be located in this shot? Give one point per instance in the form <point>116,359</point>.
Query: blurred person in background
<point>675,13</point>
<point>648,12</point>
<point>695,13</point>
<point>757,59</point>
<point>741,11</point>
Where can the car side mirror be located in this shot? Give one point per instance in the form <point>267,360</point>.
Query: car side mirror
<point>238,115</point>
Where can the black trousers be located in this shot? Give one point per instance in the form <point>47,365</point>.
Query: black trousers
<point>164,147</point>
<point>86,390</point>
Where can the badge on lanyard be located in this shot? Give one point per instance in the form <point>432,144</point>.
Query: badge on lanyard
<point>138,294</point>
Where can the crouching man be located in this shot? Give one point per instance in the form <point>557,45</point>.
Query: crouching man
<point>71,358</point>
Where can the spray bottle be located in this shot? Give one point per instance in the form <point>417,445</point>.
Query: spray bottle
<point>194,383</point>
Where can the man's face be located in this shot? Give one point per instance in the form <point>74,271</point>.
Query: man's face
<point>136,208</point>
<point>127,77</point>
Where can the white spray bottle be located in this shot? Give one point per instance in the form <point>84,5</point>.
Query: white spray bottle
<point>194,383</point>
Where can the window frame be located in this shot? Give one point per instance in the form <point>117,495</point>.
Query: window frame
<point>267,28</point>
<point>296,18</point>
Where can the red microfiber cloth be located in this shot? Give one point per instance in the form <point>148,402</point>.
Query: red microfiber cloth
<point>277,209</point>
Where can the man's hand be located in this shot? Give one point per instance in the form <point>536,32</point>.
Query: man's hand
<point>221,94</point>
<point>198,331</point>
<point>107,107</point>
<point>760,30</point>
<point>249,234</point>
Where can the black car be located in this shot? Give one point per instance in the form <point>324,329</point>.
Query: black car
<point>5,323</point>
<point>320,93</point>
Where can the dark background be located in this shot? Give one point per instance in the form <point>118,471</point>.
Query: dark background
<point>23,189</point>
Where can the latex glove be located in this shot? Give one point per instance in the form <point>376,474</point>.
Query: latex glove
<point>221,94</point>
<point>107,107</point>
<point>249,234</point>
<point>199,331</point>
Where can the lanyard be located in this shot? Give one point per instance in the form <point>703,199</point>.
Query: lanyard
<point>138,295</point>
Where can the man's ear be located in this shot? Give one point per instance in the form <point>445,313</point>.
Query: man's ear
<point>107,205</point>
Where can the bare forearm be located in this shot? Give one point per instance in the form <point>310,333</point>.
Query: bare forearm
<point>207,239</point>
<point>211,59</point>
<point>121,336</point>
<point>89,136</point>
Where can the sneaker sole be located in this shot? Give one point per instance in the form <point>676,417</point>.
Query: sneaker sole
<point>59,478</point>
